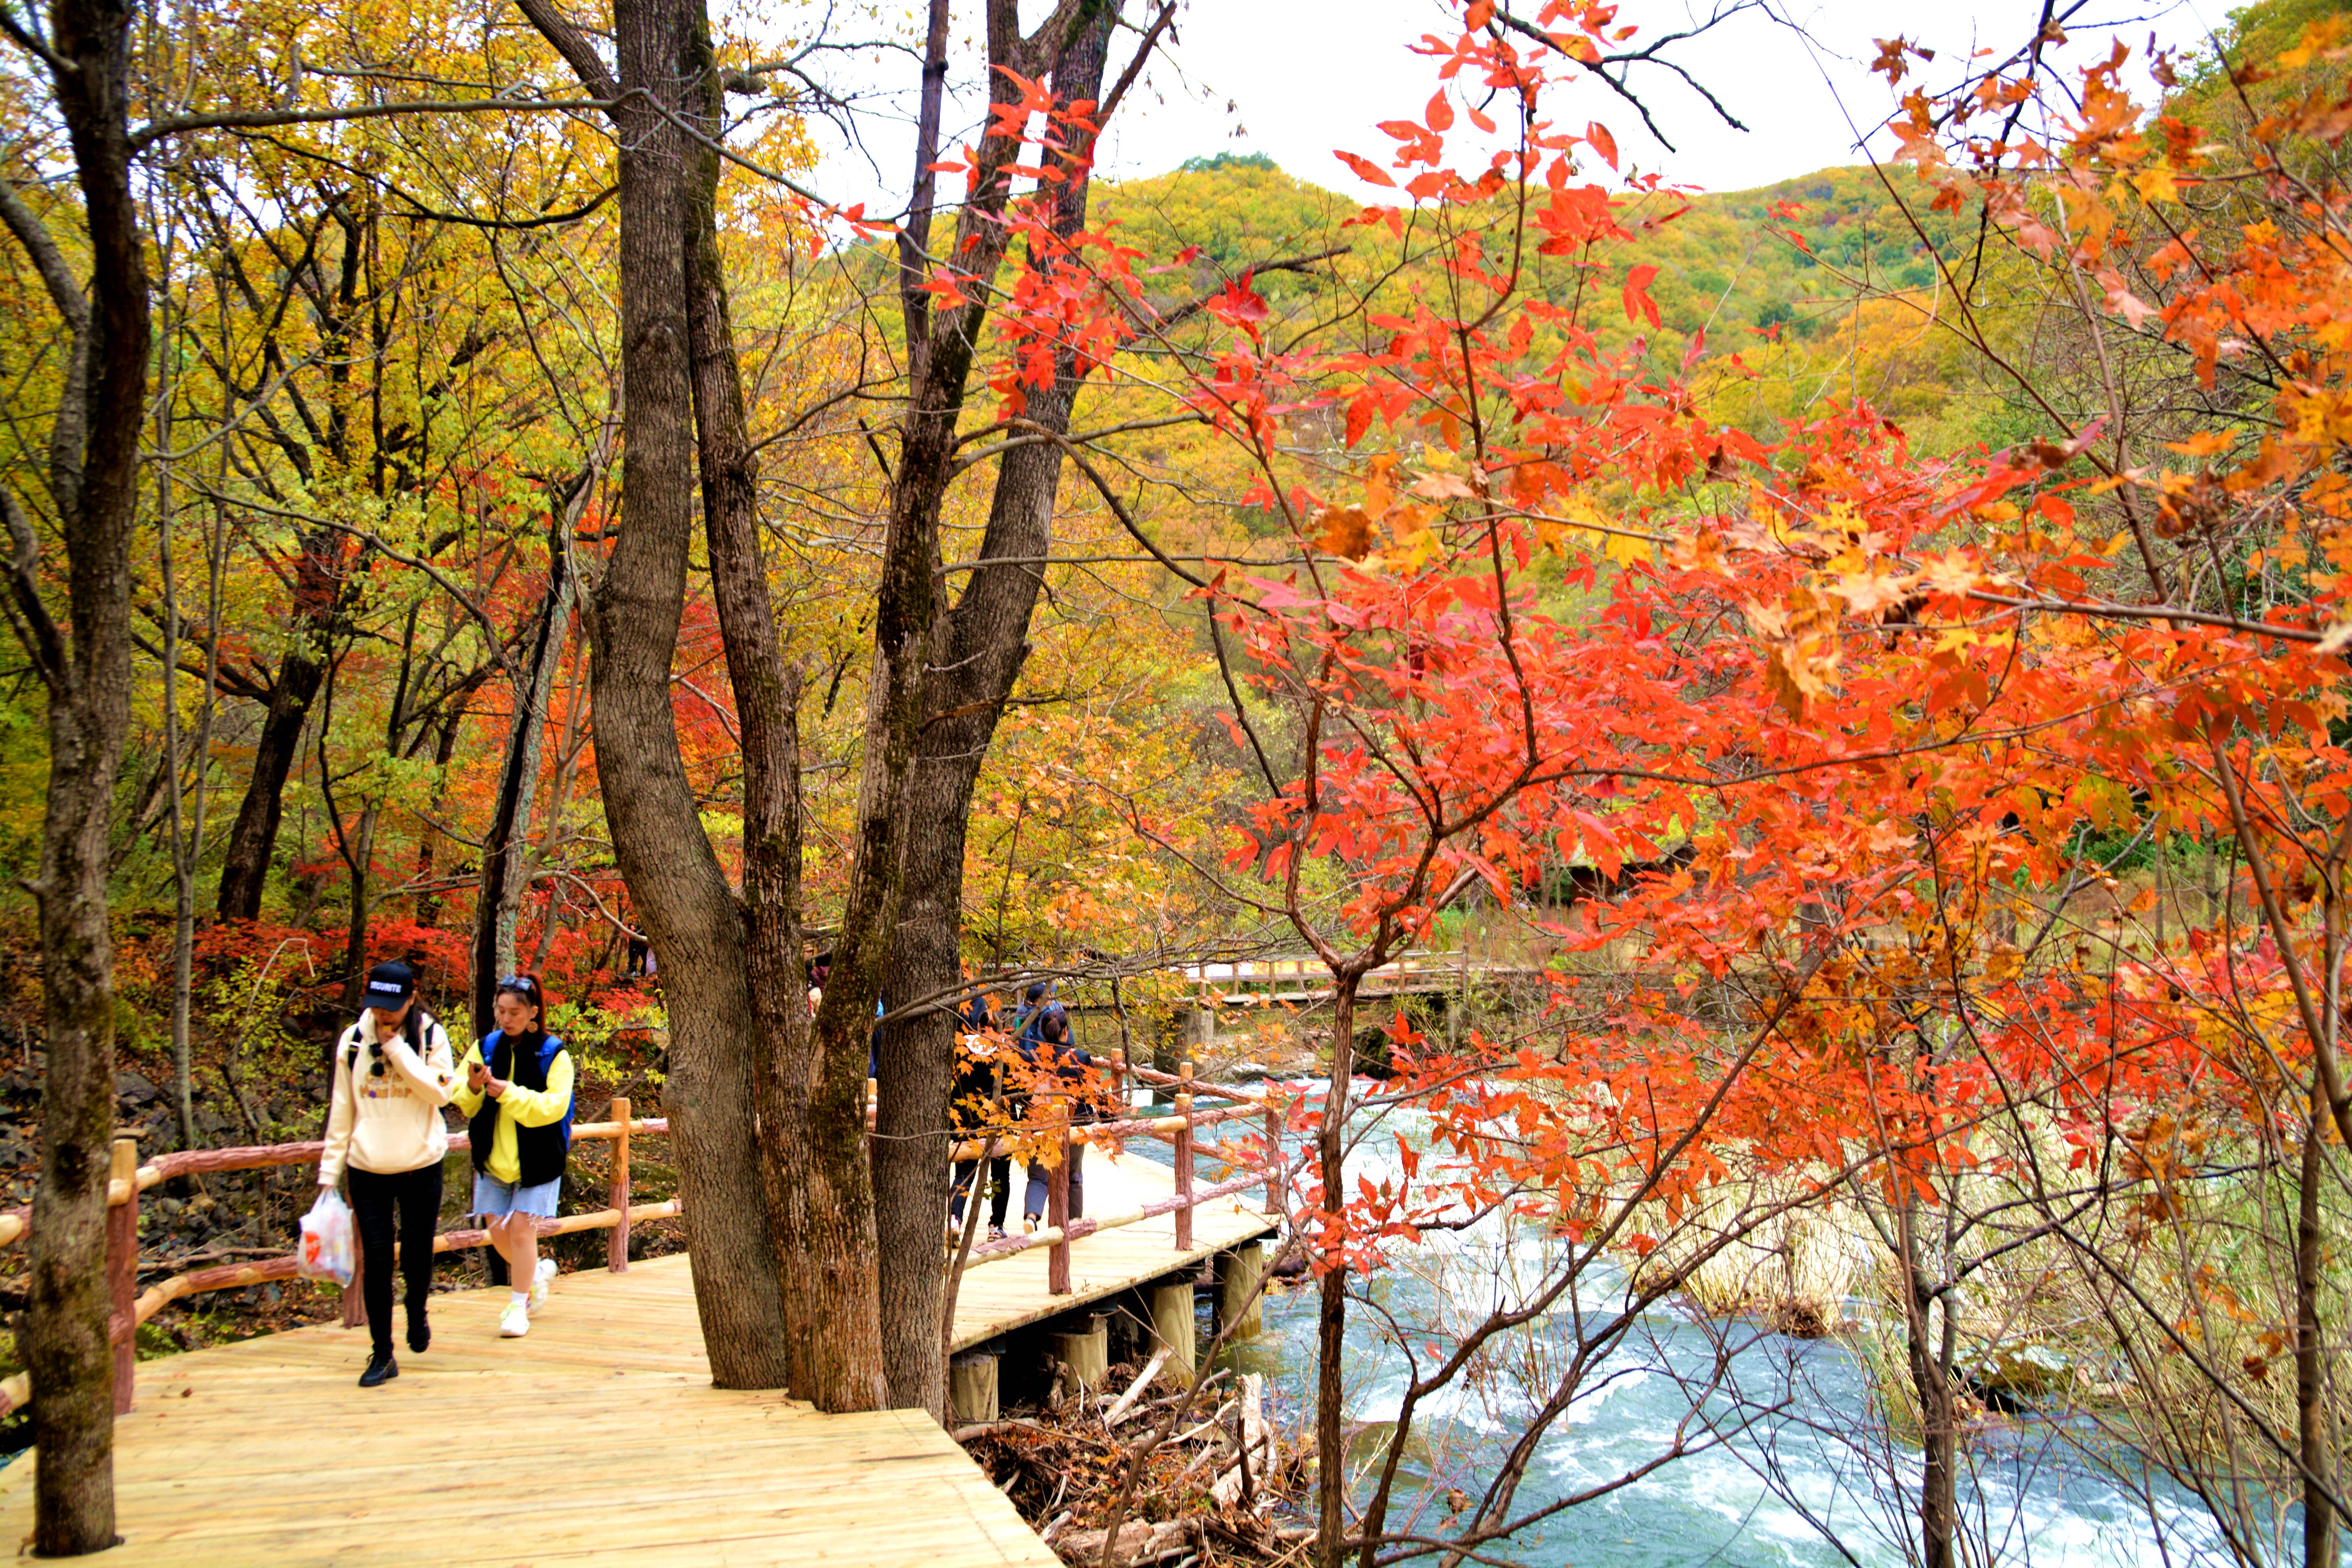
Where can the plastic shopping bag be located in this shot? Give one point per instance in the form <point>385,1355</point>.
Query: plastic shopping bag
<point>326,1252</point>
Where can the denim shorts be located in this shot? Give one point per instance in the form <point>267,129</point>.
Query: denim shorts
<point>494,1198</point>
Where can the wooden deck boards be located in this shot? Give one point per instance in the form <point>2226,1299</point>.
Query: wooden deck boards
<point>596,1440</point>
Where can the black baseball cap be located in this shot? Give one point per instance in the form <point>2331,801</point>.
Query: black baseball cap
<point>391,984</point>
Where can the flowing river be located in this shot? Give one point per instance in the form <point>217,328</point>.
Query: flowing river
<point>1811,1477</point>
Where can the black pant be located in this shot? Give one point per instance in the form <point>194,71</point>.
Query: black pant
<point>417,1193</point>
<point>1000,1187</point>
<point>1036,1202</point>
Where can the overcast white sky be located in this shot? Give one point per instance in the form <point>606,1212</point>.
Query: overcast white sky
<point>1303,77</point>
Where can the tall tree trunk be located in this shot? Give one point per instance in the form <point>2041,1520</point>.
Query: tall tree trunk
<point>906,615</point>
<point>811,1112</point>
<point>979,650</point>
<point>2316,1431</point>
<point>674,877</point>
<point>428,842</point>
<point>1931,1385</point>
<point>88,684</point>
<point>1331,1318</point>
<point>187,819</point>
<point>499,900</point>
<point>253,838</point>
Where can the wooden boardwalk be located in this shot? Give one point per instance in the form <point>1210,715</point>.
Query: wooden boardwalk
<point>597,1440</point>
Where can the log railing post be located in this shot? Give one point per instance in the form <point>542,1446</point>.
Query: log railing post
<point>617,1245</point>
<point>1185,1157</point>
<point>1057,1208</point>
<point>122,1269</point>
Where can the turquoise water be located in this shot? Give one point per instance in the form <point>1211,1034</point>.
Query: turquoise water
<point>1808,1481</point>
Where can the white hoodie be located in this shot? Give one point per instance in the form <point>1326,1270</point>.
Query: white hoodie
<point>390,1122</point>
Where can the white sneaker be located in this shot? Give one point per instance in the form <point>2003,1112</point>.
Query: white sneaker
<point>540,1278</point>
<point>515,1321</point>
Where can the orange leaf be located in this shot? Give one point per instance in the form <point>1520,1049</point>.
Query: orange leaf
<point>1638,302</point>
<point>1347,531</point>
<point>1366,170</point>
<point>1603,142</point>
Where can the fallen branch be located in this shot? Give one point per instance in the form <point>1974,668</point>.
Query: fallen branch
<point>1234,1479</point>
<point>1135,1390</point>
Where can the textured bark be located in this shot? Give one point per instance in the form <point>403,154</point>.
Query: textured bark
<point>428,843</point>
<point>2314,1430</point>
<point>979,650</point>
<point>674,877</point>
<point>1331,1318</point>
<point>817,1199</point>
<point>65,1347</point>
<point>1931,1384</point>
<point>253,838</point>
<point>906,611</point>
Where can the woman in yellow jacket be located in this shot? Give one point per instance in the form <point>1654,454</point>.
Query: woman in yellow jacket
<point>517,1101</point>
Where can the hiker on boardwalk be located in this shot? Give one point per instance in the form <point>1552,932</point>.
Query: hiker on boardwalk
<point>981,1105</point>
<point>1039,1005</point>
<point>978,1014</point>
<point>517,1101</point>
<point>390,1078</point>
<point>1053,1055</point>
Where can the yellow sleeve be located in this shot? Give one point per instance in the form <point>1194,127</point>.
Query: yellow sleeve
<point>536,1107</point>
<point>467,1101</point>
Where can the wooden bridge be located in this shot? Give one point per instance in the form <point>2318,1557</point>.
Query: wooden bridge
<point>1304,981</point>
<point>598,1438</point>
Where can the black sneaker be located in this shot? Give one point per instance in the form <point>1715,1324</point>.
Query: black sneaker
<point>420,1332</point>
<point>380,1368</point>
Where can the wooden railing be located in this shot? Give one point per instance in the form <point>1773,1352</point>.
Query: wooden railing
<point>1266,1167</point>
<point>130,1306</point>
<point>1270,982</point>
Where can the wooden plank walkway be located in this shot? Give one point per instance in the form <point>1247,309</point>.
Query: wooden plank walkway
<point>596,1440</point>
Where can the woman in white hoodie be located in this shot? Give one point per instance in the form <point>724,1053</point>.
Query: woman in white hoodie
<point>393,1073</point>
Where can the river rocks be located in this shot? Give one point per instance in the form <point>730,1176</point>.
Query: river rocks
<point>2009,1374</point>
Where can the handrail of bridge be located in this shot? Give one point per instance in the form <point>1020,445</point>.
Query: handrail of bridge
<point>1060,1229</point>
<point>1306,980</point>
<point>131,1307</point>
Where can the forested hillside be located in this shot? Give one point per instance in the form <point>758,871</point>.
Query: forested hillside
<point>1823,287</point>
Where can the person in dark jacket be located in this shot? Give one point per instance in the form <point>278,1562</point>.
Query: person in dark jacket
<point>1052,1055</point>
<point>977,1016</point>
<point>1040,1005</point>
<point>517,1102</point>
<point>981,1105</point>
